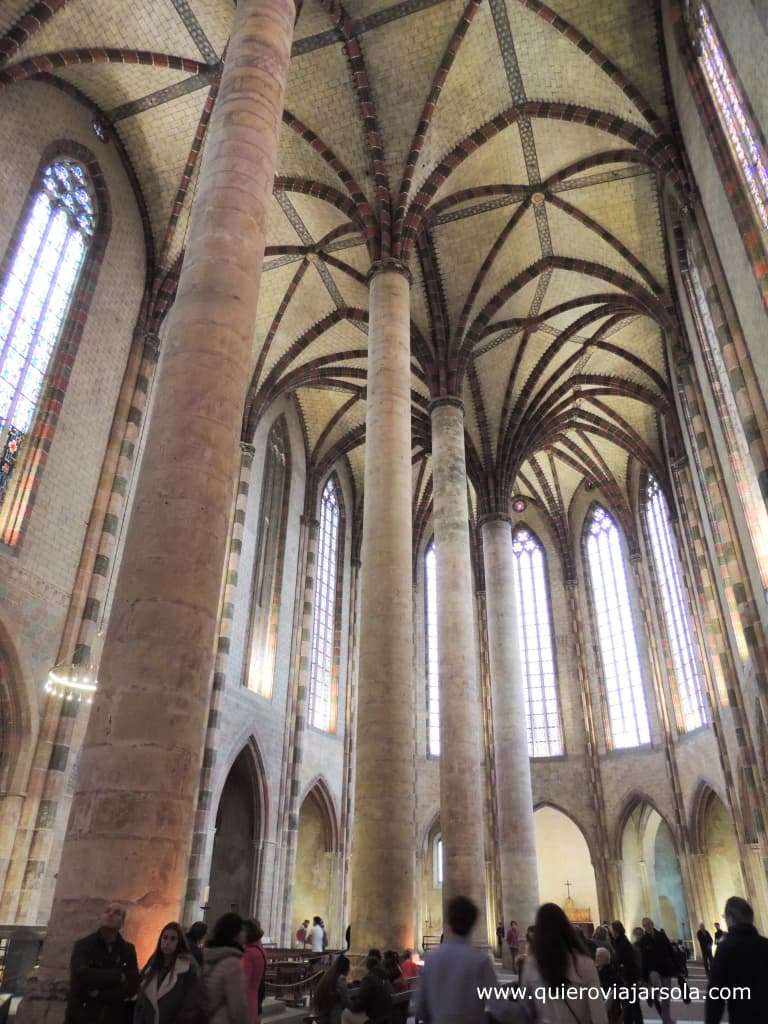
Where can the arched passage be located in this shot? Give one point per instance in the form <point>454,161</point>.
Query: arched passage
<point>316,861</point>
<point>432,884</point>
<point>564,878</point>
<point>652,885</point>
<point>716,839</point>
<point>235,862</point>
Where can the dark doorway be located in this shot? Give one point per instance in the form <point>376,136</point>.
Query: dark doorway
<point>233,868</point>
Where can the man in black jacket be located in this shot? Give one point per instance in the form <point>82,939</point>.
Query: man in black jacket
<point>659,965</point>
<point>628,964</point>
<point>741,962</point>
<point>705,945</point>
<point>103,973</point>
<point>374,994</point>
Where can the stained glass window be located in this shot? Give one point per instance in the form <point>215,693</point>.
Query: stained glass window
<point>267,565</point>
<point>534,632</point>
<point>740,130</point>
<point>676,613</point>
<point>433,685</point>
<point>35,298</point>
<point>622,678</point>
<point>321,702</point>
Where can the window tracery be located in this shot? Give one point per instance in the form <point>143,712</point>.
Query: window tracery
<point>534,630</point>
<point>617,643</point>
<point>321,695</point>
<point>35,297</point>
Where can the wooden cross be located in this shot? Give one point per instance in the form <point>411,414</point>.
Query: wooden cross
<point>568,887</point>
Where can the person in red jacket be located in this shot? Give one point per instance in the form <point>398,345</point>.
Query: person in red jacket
<point>254,963</point>
<point>513,940</point>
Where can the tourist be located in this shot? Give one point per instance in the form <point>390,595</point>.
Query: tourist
<point>500,936</point>
<point>559,959</point>
<point>317,935</point>
<point>302,934</point>
<point>705,941</point>
<point>453,972</point>
<point>373,996</point>
<point>741,963</point>
<point>659,966</point>
<point>602,937</point>
<point>393,971</point>
<point>513,940</point>
<point>628,964</point>
<point>103,972</point>
<point>609,982</point>
<point>411,966</point>
<point>169,985</point>
<point>223,975</point>
<point>331,996</point>
<point>195,937</point>
<point>719,934</point>
<point>254,963</point>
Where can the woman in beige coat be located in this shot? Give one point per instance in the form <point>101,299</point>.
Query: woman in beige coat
<point>558,960</point>
<point>223,973</point>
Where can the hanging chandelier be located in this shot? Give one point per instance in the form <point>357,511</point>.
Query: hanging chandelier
<point>72,682</point>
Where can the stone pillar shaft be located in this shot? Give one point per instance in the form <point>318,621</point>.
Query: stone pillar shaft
<point>130,825</point>
<point>517,840</point>
<point>461,749</point>
<point>383,859</point>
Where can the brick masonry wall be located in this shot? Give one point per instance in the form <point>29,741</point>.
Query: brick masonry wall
<point>36,582</point>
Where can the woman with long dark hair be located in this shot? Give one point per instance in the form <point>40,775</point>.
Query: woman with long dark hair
<point>559,960</point>
<point>222,973</point>
<point>331,996</point>
<point>168,985</point>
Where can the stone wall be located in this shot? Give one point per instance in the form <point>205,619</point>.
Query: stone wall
<point>36,579</point>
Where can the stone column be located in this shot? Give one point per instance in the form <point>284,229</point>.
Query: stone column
<point>383,844</point>
<point>204,832</point>
<point>131,820</point>
<point>517,840</point>
<point>461,749</point>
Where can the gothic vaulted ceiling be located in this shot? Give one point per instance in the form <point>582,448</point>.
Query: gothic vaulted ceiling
<point>513,152</point>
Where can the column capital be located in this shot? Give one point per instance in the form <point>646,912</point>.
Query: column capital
<point>390,265</point>
<point>571,584</point>
<point>310,521</point>
<point>450,400</point>
<point>679,462</point>
<point>490,518</point>
<point>247,451</point>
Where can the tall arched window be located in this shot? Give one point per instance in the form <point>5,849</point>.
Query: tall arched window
<point>740,130</point>
<point>433,683</point>
<point>268,562</point>
<point>534,630</point>
<point>622,678</point>
<point>35,295</point>
<point>322,697</point>
<point>676,613</point>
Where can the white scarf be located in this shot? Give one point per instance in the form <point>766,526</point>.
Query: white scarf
<point>154,992</point>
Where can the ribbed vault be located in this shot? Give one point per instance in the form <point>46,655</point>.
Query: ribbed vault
<point>513,153</point>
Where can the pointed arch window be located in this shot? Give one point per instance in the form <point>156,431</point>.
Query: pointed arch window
<point>42,274</point>
<point>323,657</point>
<point>676,612</point>
<point>437,862</point>
<point>622,677</point>
<point>268,562</point>
<point>433,677</point>
<point>534,630</point>
<point>743,136</point>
